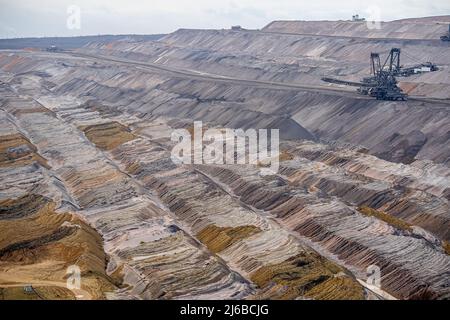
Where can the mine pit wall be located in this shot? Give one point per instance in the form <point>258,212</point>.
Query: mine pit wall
<point>400,29</point>
<point>185,217</point>
<point>314,221</point>
<point>137,257</point>
<point>112,203</point>
<point>286,58</point>
<point>415,292</point>
<point>104,202</point>
<point>40,239</point>
<point>195,200</point>
<point>401,132</point>
<point>328,117</point>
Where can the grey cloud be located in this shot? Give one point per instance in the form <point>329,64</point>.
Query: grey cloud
<point>48,17</point>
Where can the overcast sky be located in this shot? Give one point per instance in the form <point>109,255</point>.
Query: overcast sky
<point>24,18</point>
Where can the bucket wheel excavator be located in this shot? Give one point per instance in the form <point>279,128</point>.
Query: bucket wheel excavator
<point>382,83</point>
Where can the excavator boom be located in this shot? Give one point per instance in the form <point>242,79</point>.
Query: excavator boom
<point>349,83</point>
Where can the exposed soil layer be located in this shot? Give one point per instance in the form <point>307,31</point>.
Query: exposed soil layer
<point>305,275</point>
<point>218,239</point>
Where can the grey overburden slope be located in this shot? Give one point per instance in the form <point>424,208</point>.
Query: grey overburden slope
<point>87,175</point>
